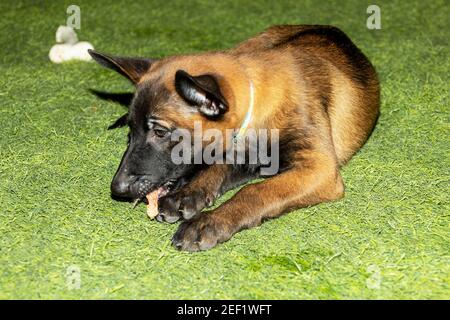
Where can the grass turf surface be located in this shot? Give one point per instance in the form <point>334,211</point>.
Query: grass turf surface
<point>57,161</point>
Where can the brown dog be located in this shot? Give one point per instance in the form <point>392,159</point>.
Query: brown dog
<point>309,82</point>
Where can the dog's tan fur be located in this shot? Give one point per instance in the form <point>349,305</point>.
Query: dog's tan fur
<point>284,77</point>
<point>313,85</point>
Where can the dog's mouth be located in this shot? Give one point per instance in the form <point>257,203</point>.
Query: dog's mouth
<point>146,192</point>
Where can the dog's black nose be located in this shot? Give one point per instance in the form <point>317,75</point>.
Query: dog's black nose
<point>120,188</point>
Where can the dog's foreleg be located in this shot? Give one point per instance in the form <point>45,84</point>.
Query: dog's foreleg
<point>202,191</point>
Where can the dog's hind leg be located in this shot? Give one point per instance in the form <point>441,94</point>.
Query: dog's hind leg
<point>316,179</point>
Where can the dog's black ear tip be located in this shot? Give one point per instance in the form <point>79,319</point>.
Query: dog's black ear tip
<point>181,73</point>
<point>94,54</point>
<point>181,77</point>
<point>98,56</point>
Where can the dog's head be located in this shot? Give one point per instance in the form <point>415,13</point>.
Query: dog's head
<point>166,98</point>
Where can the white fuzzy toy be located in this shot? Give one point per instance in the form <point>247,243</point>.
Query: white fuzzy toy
<point>69,47</point>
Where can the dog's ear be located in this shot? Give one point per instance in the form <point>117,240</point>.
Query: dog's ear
<point>132,68</point>
<point>201,91</point>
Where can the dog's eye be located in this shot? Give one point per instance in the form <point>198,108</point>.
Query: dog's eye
<point>160,133</point>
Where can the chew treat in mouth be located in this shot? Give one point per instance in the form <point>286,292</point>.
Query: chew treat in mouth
<point>152,199</point>
<point>152,206</point>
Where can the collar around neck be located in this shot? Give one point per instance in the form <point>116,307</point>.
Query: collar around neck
<point>248,116</point>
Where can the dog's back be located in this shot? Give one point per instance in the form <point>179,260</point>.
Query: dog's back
<point>337,72</point>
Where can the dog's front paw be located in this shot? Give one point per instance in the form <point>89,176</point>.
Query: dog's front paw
<point>184,204</point>
<point>201,233</point>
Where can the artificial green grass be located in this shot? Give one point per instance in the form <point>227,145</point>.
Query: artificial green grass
<point>57,160</point>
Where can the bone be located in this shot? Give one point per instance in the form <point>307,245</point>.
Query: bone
<point>152,206</point>
<point>68,47</point>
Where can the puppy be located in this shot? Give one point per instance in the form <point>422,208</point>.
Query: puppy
<point>309,83</point>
